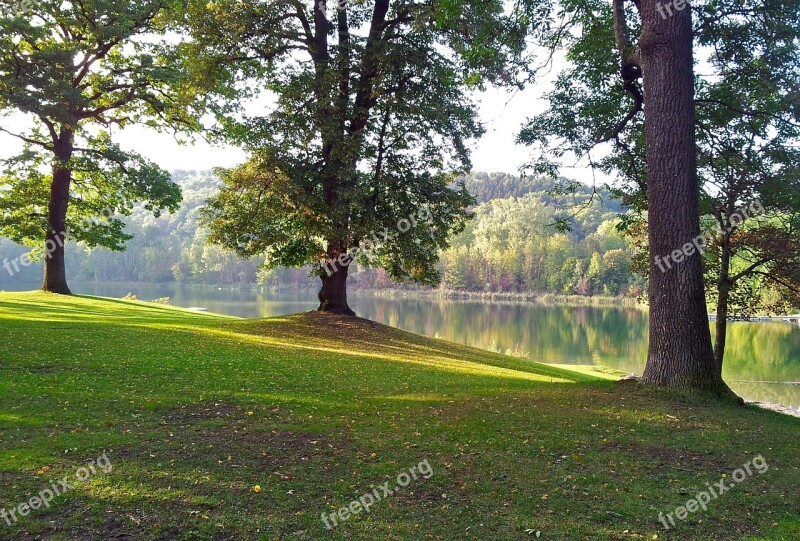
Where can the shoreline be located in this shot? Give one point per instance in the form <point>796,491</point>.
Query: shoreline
<point>533,298</point>
<point>774,407</point>
<point>481,296</point>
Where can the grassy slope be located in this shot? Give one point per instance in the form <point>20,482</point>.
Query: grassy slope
<point>339,406</point>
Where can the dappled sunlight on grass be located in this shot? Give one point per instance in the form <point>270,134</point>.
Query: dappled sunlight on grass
<point>597,371</point>
<point>12,420</point>
<point>296,332</point>
<point>195,410</point>
<point>40,306</point>
<point>405,353</point>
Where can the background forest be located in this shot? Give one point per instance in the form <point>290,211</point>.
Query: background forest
<point>511,245</point>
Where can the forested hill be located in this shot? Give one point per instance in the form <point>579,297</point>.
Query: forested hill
<point>488,186</point>
<point>511,245</point>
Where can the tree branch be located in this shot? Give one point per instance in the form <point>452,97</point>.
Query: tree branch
<point>28,140</point>
<point>630,71</point>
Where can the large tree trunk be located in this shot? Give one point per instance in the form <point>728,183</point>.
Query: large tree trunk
<point>55,271</point>
<point>333,294</point>
<point>680,353</point>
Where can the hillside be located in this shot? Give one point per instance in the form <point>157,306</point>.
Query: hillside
<point>219,428</point>
<point>510,246</point>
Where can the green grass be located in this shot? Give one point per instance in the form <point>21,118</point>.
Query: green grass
<point>195,410</point>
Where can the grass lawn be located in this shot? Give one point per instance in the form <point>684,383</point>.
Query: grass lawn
<point>221,428</point>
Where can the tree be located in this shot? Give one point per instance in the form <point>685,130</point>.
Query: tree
<point>753,261</point>
<point>749,158</point>
<point>746,138</point>
<point>679,354</point>
<point>616,264</point>
<point>596,271</point>
<point>646,109</point>
<point>75,69</point>
<point>353,162</point>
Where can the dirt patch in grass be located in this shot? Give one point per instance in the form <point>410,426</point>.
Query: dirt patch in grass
<point>342,326</point>
<point>324,326</point>
<point>681,459</point>
<point>428,498</point>
<point>188,414</point>
<point>275,449</point>
<point>230,433</point>
<point>115,525</point>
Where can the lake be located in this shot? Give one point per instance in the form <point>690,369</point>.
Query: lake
<point>762,361</point>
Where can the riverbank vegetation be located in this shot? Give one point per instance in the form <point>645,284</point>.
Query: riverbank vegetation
<point>501,297</point>
<point>510,247</point>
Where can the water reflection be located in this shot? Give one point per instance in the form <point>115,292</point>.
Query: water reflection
<point>762,361</point>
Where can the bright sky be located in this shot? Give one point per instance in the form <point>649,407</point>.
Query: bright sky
<point>502,112</point>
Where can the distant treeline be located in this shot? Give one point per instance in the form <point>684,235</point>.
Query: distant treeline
<point>511,245</point>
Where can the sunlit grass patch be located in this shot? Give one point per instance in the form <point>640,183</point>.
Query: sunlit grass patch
<point>196,410</point>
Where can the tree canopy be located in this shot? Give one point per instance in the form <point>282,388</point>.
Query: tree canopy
<point>72,72</point>
<point>369,126</point>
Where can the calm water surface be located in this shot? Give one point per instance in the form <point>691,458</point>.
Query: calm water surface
<point>762,361</point>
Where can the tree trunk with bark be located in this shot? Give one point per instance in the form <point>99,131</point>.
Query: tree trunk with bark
<point>55,271</point>
<point>333,294</point>
<point>722,327</point>
<point>680,354</point>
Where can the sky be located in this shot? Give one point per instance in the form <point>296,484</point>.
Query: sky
<point>502,112</point>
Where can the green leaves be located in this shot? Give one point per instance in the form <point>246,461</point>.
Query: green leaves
<point>24,198</point>
<point>259,210</point>
<point>370,119</point>
<point>108,182</point>
<point>76,70</point>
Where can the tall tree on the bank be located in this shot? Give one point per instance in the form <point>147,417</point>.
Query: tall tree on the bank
<point>656,73</point>
<point>353,161</point>
<point>748,126</point>
<point>73,70</point>
<point>679,354</point>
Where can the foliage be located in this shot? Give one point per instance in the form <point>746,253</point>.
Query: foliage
<point>511,246</point>
<point>73,72</point>
<point>371,119</point>
<point>748,128</point>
